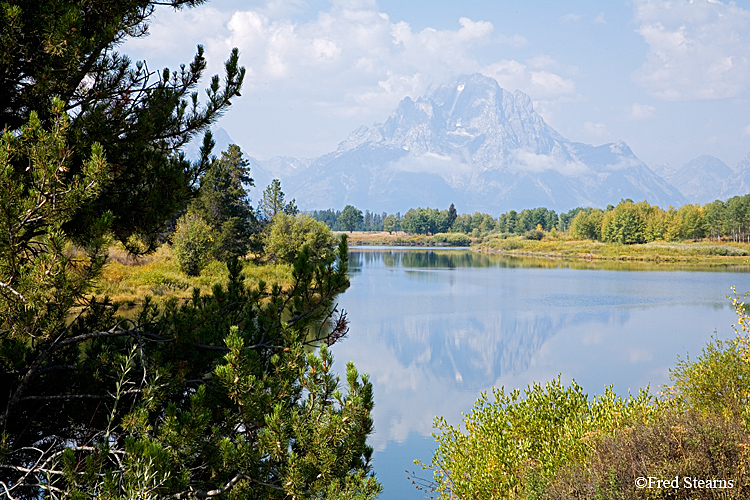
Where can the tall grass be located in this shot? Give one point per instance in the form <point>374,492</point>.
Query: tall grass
<point>128,281</point>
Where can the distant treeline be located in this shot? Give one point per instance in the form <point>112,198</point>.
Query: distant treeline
<point>627,222</point>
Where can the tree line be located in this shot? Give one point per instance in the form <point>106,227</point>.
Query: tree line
<point>627,222</point>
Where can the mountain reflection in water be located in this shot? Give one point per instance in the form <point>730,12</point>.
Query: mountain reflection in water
<point>434,328</point>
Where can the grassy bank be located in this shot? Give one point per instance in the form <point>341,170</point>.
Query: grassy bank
<point>660,252</point>
<point>401,239</point>
<point>127,281</point>
<point>688,252</point>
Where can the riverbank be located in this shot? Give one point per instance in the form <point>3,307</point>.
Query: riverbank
<point>157,275</point>
<point>402,239</point>
<point>709,253</point>
<point>659,252</point>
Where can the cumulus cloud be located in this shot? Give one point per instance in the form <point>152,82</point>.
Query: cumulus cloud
<point>167,34</point>
<point>642,112</point>
<point>540,84</point>
<point>348,62</point>
<point>697,49</point>
<point>350,57</point>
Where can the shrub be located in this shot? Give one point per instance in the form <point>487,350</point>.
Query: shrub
<point>454,239</point>
<point>193,243</point>
<point>511,244</point>
<point>534,234</point>
<point>726,250</point>
<point>688,446</point>
<point>287,234</point>
<point>512,446</point>
<point>719,378</point>
<point>555,443</point>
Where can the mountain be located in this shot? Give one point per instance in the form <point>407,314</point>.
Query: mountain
<point>471,143</point>
<point>701,180</point>
<point>707,178</point>
<point>738,182</point>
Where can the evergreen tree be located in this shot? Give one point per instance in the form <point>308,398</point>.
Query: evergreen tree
<point>223,203</point>
<point>66,49</point>
<point>452,214</point>
<point>272,202</point>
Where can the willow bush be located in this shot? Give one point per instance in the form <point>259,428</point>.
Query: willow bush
<point>554,442</point>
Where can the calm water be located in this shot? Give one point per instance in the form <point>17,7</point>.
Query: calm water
<point>434,328</point>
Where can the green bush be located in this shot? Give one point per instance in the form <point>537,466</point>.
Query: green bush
<point>534,234</point>
<point>453,239</point>
<point>287,234</point>
<point>726,250</point>
<point>511,244</point>
<point>510,447</point>
<point>718,381</point>
<point>193,243</point>
<point>556,443</point>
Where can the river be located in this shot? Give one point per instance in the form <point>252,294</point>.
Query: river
<point>434,328</point>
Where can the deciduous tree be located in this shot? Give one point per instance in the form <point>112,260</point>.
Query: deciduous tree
<point>350,218</point>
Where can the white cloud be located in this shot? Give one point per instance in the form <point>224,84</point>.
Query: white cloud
<point>698,49</point>
<point>600,19</point>
<point>352,56</point>
<point>431,163</point>
<point>167,34</point>
<point>347,58</point>
<point>551,84</point>
<point>642,112</point>
<point>539,84</point>
<point>746,130</point>
<point>348,63</point>
<point>596,130</point>
<point>528,161</point>
<point>571,18</point>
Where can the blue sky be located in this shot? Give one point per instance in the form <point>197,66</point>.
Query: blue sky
<point>669,77</point>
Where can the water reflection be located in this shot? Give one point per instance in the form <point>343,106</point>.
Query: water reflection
<point>435,327</point>
<point>449,258</point>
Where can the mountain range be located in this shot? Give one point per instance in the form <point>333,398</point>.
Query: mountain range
<point>707,178</point>
<point>483,148</point>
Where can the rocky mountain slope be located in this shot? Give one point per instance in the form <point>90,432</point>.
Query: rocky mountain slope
<point>471,143</point>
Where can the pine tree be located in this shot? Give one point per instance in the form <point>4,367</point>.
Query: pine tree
<point>224,204</point>
<point>272,202</point>
<point>140,117</point>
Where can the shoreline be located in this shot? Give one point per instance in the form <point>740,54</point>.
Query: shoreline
<point>683,253</point>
